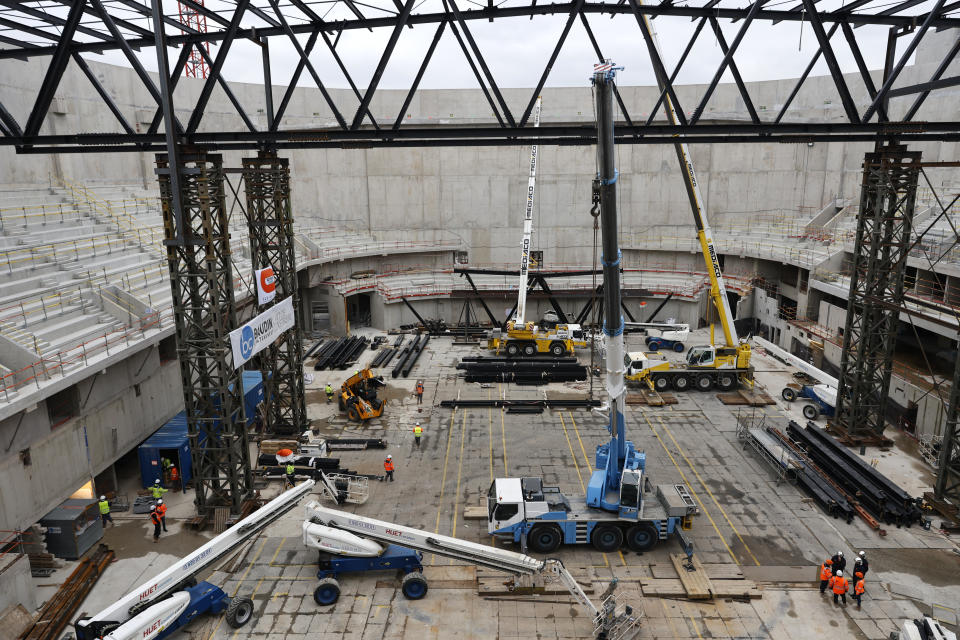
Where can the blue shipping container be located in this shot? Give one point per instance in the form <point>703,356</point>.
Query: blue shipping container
<point>171,439</point>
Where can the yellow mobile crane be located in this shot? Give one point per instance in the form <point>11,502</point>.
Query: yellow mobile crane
<point>706,365</point>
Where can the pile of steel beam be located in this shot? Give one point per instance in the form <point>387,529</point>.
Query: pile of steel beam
<point>383,358</point>
<point>533,371</point>
<point>547,404</point>
<point>327,464</point>
<point>873,491</point>
<point>355,444</point>
<point>338,354</point>
<point>409,356</point>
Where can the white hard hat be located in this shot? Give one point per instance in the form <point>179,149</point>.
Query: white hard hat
<point>863,554</point>
<point>156,482</point>
<point>839,574</point>
<point>153,507</point>
<point>858,560</point>
<point>418,423</point>
<point>839,553</point>
<point>160,501</point>
<point>103,497</point>
<point>389,457</point>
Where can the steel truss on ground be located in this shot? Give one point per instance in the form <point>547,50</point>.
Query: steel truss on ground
<point>35,28</point>
<point>266,180</point>
<point>881,246</point>
<point>201,280</point>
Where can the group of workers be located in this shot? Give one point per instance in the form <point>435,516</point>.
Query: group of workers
<point>832,577</point>
<point>158,510</point>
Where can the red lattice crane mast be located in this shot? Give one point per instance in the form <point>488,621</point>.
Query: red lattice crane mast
<point>196,66</point>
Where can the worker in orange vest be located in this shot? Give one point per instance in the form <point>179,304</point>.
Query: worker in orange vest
<point>826,572</point>
<point>858,588</point>
<point>839,585</point>
<point>155,519</point>
<point>419,391</point>
<point>174,478</point>
<point>162,512</point>
<point>388,467</point>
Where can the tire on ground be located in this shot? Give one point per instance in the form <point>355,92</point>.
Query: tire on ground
<point>727,381</point>
<point>661,383</point>
<point>788,394</point>
<point>811,412</point>
<point>513,349</point>
<point>239,612</point>
<point>544,538</point>
<point>529,350</point>
<point>327,592</point>
<point>606,537</point>
<point>558,349</point>
<point>642,536</point>
<point>414,586</point>
<point>704,382</point>
<point>681,382</point>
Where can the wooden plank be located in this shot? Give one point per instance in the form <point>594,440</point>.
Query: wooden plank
<point>663,588</point>
<point>220,515</point>
<point>693,577</point>
<point>474,513</point>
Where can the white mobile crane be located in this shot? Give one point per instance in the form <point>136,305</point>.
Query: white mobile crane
<point>706,365</point>
<point>350,536</point>
<point>173,598</point>
<point>523,338</point>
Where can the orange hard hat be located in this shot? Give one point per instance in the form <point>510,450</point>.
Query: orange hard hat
<point>829,561</point>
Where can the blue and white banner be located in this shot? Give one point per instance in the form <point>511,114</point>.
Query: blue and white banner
<point>259,333</point>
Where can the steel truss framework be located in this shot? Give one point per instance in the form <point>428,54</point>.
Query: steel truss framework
<point>201,280</point>
<point>266,181</point>
<point>31,28</point>
<point>881,246</point>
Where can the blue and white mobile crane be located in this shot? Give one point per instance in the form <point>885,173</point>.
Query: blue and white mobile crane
<point>615,509</point>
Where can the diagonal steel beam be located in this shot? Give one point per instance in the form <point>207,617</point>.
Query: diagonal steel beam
<point>267,81</point>
<point>382,65</point>
<point>676,71</point>
<point>126,24</point>
<point>215,69</point>
<point>227,90</point>
<point>145,10</point>
<point>476,73</point>
<point>658,69</point>
<point>420,72</point>
<point>10,122</point>
<point>127,51</point>
<point>727,59</point>
<point>553,58</point>
<point>828,56</point>
<point>19,44</point>
<point>900,7</point>
<point>904,58</point>
<point>722,41</point>
<point>106,97</point>
<point>309,65</point>
<point>600,58</point>
<point>861,65</point>
<point>49,18</point>
<point>311,41</point>
<point>947,59</point>
<point>58,65</point>
<point>482,62</point>
<point>39,33</point>
<point>171,85</point>
<point>332,46</point>
<point>803,76</point>
<point>799,8</point>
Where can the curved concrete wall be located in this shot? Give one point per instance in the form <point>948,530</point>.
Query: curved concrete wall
<point>478,193</point>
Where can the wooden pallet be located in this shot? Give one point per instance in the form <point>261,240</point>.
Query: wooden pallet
<point>220,517</point>
<point>474,513</point>
<point>693,577</point>
<point>746,397</point>
<point>270,447</point>
<point>667,588</point>
<point>651,398</point>
<point>495,583</point>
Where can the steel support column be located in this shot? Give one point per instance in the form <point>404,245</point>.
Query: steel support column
<point>201,281</point>
<point>948,470</point>
<point>882,243</point>
<point>266,180</point>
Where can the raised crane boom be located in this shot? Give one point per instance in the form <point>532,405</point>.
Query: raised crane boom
<point>718,291</point>
<point>520,316</point>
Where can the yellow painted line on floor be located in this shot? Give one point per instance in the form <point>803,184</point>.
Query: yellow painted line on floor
<point>696,496</point>
<point>260,581</point>
<point>443,481</point>
<point>696,627</point>
<point>666,616</point>
<point>572,454</point>
<point>576,430</point>
<point>239,584</point>
<point>490,435</point>
<point>710,493</point>
<point>456,501</point>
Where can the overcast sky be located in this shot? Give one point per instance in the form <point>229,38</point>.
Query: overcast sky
<point>517,49</point>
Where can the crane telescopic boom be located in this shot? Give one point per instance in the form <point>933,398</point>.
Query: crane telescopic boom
<point>520,317</point>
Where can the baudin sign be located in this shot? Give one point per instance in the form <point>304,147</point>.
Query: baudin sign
<point>266,285</point>
<point>259,333</point>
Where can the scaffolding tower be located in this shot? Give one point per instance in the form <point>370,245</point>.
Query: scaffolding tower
<point>197,240</point>
<point>882,242</point>
<point>266,181</point>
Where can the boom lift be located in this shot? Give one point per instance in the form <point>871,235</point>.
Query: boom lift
<point>354,539</point>
<point>527,339</point>
<point>358,396</point>
<point>822,397</point>
<point>706,365</point>
<point>173,598</point>
<point>615,509</point>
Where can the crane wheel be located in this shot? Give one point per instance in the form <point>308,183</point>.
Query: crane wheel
<point>513,350</point>
<point>810,412</point>
<point>642,536</point>
<point>414,586</point>
<point>681,383</point>
<point>558,349</point>
<point>606,537</point>
<point>661,383</point>
<point>353,414</point>
<point>328,592</point>
<point>727,381</point>
<point>704,382</point>
<point>544,538</point>
<point>678,347</point>
<point>529,350</point>
<point>654,345</point>
<point>239,612</point>
<point>788,394</point>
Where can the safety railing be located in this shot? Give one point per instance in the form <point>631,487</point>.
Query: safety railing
<point>11,544</point>
<point>124,220</point>
<point>12,218</point>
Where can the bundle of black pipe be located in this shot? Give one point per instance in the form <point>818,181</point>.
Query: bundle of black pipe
<point>311,350</point>
<point>267,460</point>
<point>526,372</point>
<point>404,355</point>
<point>552,404</point>
<point>382,358</point>
<point>483,359</point>
<point>324,354</point>
<point>875,492</point>
<point>414,355</point>
<point>351,444</point>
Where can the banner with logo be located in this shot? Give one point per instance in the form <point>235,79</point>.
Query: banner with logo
<point>266,285</point>
<point>259,333</point>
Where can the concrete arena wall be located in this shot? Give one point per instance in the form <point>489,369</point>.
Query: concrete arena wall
<point>477,193</point>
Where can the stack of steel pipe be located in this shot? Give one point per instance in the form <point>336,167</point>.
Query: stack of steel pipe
<point>549,403</point>
<point>874,491</point>
<point>326,353</point>
<point>404,355</point>
<point>355,444</point>
<point>341,353</point>
<point>267,460</point>
<point>415,352</point>
<point>533,371</point>
<point>484,359</point>
<point>383,358</point>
